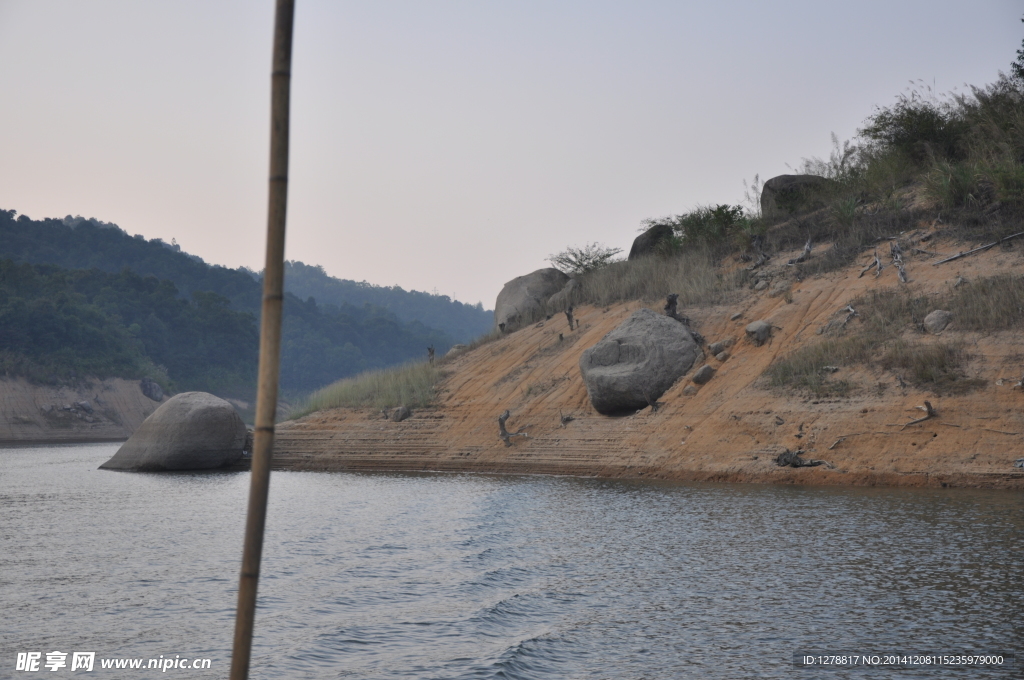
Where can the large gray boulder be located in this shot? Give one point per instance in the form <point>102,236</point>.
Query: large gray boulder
<point>634,364</point>
<point>937,321</point>
<point>525,296</point>
<point>758,332</point>
<point>648,242</point>
<point>189,431</point>
<point>788,194</point>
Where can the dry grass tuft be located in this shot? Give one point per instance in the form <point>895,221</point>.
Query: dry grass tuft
<point>989,304</point>
<point>805,369</point>
<point>693,275</point>
<point>411,385</point>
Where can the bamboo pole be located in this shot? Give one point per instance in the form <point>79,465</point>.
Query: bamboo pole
<point>270,341</point>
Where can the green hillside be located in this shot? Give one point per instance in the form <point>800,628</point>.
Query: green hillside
<point>147,307</point>
<point>463,322</point>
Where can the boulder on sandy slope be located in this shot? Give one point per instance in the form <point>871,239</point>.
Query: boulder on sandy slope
<point>759,331</point>
<point>788,194</point>
<point>717,348</point>
<point>648,242</point>
<point>937,321</point>
<point>637,362</point>
<point>151,389</point>
<point>703,374</point>
<point>401,413</point>
<point>560,301</point>
<point>190,431</point>
<point>525,296</point>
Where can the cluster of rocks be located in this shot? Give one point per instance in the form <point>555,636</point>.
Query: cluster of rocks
<point>81,410</point>
<point>633,365</point>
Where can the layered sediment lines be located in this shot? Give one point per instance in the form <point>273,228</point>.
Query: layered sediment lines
<point>730,430</point>
<point>93,410</point>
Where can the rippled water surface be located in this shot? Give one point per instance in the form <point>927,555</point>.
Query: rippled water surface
<point>464,576</point>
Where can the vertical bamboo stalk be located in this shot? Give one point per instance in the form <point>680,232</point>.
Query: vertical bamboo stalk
<point>270,341</point>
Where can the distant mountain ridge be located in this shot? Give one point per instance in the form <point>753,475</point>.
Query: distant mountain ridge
<point>322,341</point>
<point>462,321</point>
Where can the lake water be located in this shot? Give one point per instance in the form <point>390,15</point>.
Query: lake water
<point>469,576</point>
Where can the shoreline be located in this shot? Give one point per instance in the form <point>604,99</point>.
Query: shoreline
<point>1011,481</point>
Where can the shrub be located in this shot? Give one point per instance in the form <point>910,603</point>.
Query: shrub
<point>938,367</point>
<point>919,126</point>
<point>577,261</point>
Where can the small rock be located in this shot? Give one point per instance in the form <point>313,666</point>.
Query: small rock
<point>779,288</point>
<point>84,405</point>
<point>1019,463</point>
<point>761,285</point>
<point>759,332</point>
<point>792,459</point>
<point>400,414</point>
<point>456,348</point>
<point>736,316</point>
<point>703,374</point>
<point>722,356</point>
<point>720,346</point>
<point>690,390</point>
<point>937,321</point>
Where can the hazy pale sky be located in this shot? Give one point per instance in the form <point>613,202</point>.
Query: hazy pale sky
<point>449,145</point>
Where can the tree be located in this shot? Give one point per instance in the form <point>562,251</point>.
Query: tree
<point>1017,67</point>
<point>582,260</point>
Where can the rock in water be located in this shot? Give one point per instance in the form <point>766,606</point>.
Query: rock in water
<point>524,296</point>
<point>937,321</point>
<point>634,364</point>
<point>190,431</point>
<point>649,242</point>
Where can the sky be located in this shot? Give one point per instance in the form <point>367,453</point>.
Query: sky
<point>450,146</point>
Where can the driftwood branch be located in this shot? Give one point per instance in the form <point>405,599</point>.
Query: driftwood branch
<point>504,434</point>
<point>979,248</point>
<point>876,264</point>
<point>803,256</point>
<point>929,413</point>
<point>897,259</point>
<point>792,459</point>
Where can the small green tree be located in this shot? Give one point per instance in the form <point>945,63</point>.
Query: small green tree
<point>1017,67</point>
<point>582,260</point>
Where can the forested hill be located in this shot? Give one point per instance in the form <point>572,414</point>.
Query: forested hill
<point>156,306</point>
<point>463,322</point>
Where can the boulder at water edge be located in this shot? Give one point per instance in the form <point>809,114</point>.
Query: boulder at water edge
<point>524,296</point>
<point>637,362</point>
<point>190,431</point>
